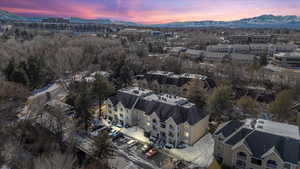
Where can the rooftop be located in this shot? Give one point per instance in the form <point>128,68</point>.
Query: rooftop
<point>169,99</point>
<point>288,55</point>
<point>137,91</point>
<point>281,129</point>
<point>173,75</point>
<point>262,136</point>
<point>164,105</point>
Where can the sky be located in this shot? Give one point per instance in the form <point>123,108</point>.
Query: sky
<point>152,11</point>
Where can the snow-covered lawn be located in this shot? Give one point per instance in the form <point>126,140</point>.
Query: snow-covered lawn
<point>201,153</point>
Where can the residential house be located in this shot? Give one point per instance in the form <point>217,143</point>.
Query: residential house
<point>256,144</point>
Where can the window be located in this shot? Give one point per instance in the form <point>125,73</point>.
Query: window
<point>162,125</point>
<point>241,160</point>
<point>256,161</point>
<point>242,156</point>
<point>240,164</point>
<point>171,134</point>
<point>271,164</point>
<point>163,134</point>
<point>154,128</point>
<point>154,120</point>
<point>121,115</point>
<point>171,127</point>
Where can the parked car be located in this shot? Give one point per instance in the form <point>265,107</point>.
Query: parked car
<point>114,132</point>
<point>119,125</point>
<point>117,136</point>
<point>181,146</point>
<point>169,146</point>
<point>152,152</point>
<point>131,143</point>
<point>97,127</point>
<point>146,147</point>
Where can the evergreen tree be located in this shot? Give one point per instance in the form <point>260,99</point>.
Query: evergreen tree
<point>102,88</point>
<point>10,68</point>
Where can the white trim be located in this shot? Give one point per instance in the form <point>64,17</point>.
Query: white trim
<point>271,151</point>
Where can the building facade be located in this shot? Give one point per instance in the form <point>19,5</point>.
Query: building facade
<point>257,144</point>
<point>166,119</point>
<point>288,60</point>
<point>173,83</point>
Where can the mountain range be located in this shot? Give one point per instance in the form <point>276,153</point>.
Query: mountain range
<point>263,21</point>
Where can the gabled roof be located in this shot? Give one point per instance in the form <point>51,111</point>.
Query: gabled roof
<point>237,137</point>
<point>164,111</point>
<point>261,141</point>
<point>126,99</point>
<point>229,128</point>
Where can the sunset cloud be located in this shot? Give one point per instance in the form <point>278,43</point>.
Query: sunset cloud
<point>152,11</point>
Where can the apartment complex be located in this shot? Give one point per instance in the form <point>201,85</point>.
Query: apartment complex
<point>255,49</point>
<point>256,144</point>
<point>168,80</point>
<point>166,119</point>
<point>288,60</point>
<point>245,39</point>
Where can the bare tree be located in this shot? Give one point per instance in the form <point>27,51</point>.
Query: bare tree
<point>55,160</point>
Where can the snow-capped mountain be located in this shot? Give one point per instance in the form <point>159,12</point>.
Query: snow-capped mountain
<point>263,21</point>
<point>9,16</point>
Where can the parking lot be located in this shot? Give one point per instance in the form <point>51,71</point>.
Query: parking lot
<point>138,150</point>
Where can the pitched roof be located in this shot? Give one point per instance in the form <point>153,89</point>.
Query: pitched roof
<point>164,111</point>
<point>229,128</point>
<point>126,99</point>
<point>261,141</point>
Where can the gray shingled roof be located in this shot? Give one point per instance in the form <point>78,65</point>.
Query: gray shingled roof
<point>229,128</point>
<point>163,110</point>
<point>260,142</point>
<point>127,100</point>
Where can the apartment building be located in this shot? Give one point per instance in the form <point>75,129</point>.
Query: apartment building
<point>261,38</point>
<point>256,144</point>
<point>246,39</point>
<point>239,39</point>
<point>169,81</point>
<point>166,119</point>
<point>288,60</point>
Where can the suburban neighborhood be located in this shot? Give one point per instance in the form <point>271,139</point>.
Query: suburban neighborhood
<point>109,94</point>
